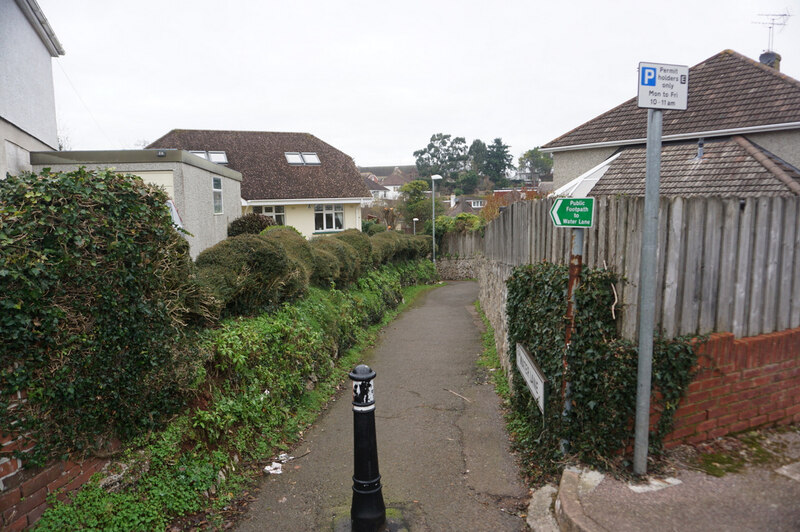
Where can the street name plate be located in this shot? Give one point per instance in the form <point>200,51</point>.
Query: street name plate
<point>573,212</point>
<point>533,376</point>
<point>663,86</point>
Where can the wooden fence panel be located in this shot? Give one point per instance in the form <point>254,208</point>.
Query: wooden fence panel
<point>710,265</point>
<point>773,268</point>
<point>743,268</point>
<point>757,276</point>
<point>727,271</point>
<point>722,265</point>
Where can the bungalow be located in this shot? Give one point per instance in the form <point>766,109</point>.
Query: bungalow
<point>739,137</point>
<point>294,178</point>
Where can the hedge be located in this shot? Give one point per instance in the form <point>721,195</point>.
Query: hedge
<point>97,286</point>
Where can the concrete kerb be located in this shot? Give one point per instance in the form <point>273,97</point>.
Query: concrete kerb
<point>569,512</point>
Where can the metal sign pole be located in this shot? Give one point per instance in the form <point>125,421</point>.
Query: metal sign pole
<point>647,291</point>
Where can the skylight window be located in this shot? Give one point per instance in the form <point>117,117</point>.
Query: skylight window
<point>218,157</point>
<point>307,158</point>
<point>310,157</point>
<point>293,157</point>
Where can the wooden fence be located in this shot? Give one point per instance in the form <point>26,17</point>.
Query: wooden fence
<point>724,265</point>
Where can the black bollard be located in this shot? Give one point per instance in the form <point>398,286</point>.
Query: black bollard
<point>367,512</point>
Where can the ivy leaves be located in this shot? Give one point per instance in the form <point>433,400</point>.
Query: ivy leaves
<point>600,369</point>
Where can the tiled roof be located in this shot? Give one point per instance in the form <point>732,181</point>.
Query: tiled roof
<point>372,185</point>
<point>385,171</point>
<point>726,169</point>
<point>259,156</point>
<point>726,91</point>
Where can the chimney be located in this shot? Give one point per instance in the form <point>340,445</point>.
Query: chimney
<point>771,59</point>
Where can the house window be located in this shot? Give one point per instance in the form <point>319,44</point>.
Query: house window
<point>202,154</point>
<point>329,217</point>
<point>477,204</point>
<point>307,158</point>
<point>216,187</point>
<point>276,212</point>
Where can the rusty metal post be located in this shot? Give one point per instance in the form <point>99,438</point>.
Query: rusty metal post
<point>367,511</point>
<point>575,267</point>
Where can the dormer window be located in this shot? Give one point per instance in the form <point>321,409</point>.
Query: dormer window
<point>306,158</point>
<point>202,154</point>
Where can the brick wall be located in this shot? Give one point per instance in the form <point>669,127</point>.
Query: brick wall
<point>23,492</point>
<point>741,384</point>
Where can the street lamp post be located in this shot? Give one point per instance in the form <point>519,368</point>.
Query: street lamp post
<point>415,220</point>
<point>434,179</point>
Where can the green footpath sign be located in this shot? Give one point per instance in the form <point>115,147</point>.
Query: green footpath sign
<point>573,212</point>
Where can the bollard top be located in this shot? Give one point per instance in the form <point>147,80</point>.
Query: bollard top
<point>362,372</point>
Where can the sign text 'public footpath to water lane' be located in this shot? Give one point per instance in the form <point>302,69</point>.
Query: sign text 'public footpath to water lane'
<point>573,212</point>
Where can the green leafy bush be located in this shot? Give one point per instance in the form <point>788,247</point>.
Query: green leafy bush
<point>601,371</point>
<point>97,286</point>
<point>250,223</point>
<point>360,241</point>
<point>372,228</point>
<point>350,265</point>
<point>297,248</point>
<point>248,273</point>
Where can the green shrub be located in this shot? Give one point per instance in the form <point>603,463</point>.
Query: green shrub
<point>97,287</point>
<point>250,223</point>
<point>371,227</point>
<point>350,266</point>
<point>297,248</point>
<point>384,247</point>
<point>360,242</point>
<point>327,269</point>
<point>248,273</point>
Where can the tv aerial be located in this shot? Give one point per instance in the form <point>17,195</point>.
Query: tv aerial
<point>772,20</point>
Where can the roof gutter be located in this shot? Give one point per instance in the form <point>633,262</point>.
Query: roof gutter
<point>680,136</point>
<point>36,17</point>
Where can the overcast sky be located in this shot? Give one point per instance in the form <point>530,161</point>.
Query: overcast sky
<point>377,78</point>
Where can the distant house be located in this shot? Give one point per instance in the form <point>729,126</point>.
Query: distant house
<point>739,137</point>
<point>392,177</point>
<point>294,178</point>
<point>378,191</point>
<point>206,196</point>
<point>27,100</point>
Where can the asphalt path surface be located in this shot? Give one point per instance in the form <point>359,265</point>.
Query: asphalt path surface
<point>442,447</point>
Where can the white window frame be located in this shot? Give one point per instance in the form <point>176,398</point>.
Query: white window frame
<point>327,213</point>
<point>276,212</point>
<point>202,154</point>
<point>306,158</point>
<point>216,194</point>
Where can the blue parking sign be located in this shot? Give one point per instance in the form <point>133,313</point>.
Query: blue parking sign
<point>649,76</point>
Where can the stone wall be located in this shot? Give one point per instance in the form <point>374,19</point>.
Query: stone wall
<point>455,269</point>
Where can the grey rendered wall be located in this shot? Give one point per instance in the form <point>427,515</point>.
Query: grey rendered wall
<point>26,77</point>
<point>13,139</point>
<point>567,165</point>
<point>784,144</point>
<point>195,186</point>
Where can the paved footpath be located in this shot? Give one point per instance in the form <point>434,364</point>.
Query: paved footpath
<point>443,451</point>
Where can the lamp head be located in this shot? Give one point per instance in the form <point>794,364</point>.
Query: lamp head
<point>436,177</point>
